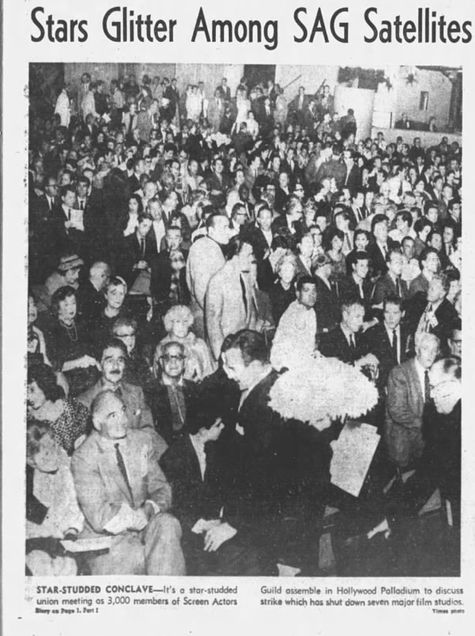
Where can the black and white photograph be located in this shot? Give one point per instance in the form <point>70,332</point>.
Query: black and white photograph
<point>244,320</point>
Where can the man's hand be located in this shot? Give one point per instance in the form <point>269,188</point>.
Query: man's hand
<point>369,360</point>
<point>216,536</point>
<point>149,510</point>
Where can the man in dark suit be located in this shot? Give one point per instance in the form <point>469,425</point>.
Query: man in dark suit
<point>433,313</point>
<point>345,341</point>
<point>390,283</point>
<point>382,245</point>
<point>357,211</point>
<point>168,272</point>
<point>358,283</point>
<point>69,222</point>
<point>327,306</point>
<point>173,398</point>
<point>202,486</point>
<point>285,463</point>
<point>90,296</point>
<point>218,183</point>
<point>260,236</point>
<point>352,179</point>
<point>94,219</point>
<point>299,105</point>
<point>138,250</point>
<point>44,205</point>
<point>389,340</point>
<point>289,225</point>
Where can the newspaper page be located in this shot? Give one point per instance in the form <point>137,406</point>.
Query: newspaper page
<point>232,317</point>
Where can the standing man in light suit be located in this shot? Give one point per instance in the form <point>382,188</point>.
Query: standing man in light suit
<point>229,302</point>
<point>205,258</point>
<point>123,492</point>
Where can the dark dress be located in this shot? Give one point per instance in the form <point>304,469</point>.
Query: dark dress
<point>280,299</point>
<point>70,343</point>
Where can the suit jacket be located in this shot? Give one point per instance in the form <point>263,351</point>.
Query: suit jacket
<point>265,274</point>
<point>126,122</point>
<point>378,261</point>
<point>161,277</point>
<point>138,413</point>
<point>327,307</point>
<point>194,497</point>
<point>41,208</point>
<point>204,259</point>
<point>225,309</point>
<point>445,314</point>
<point>404,411</point>
<point>335,345</point>
<point>419,284</point>
<point>90,301</point>
<point>353,179</point>
<point>348,288</point>
<point>285,462</point>
<point>386,286</point>
<point>161,409</point>
<point>440,464</point>
<point>302,269</point>
<point>101,489</point>
<point>377,342</point>
<point>132,254</point>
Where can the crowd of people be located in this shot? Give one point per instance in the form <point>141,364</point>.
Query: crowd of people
<point>185,251</point>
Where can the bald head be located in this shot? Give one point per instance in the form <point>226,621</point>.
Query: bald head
<point>109,415</point>
<point>99,274</point>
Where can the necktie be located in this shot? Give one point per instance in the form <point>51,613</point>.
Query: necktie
<point>428,317</point>
<point>81,204</point>
<point>123,470</point>
<point>244,294</point>
<point>426,386</point>
<point>131,121</point>
<point>69,214</point>
<point>352,343</point>
<point>398,287</point>
<point>395,345</point>
<point>142,247</point>
<point>118,391</point>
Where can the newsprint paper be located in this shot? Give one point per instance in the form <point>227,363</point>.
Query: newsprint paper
<point>232,306</point>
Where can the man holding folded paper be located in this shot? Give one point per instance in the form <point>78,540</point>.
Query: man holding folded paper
<point>124,494</point>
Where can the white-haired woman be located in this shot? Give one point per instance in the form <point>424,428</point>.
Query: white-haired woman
<point>199,363</point>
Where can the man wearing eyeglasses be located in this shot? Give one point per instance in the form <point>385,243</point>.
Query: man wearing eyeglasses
<point>173,397</point>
